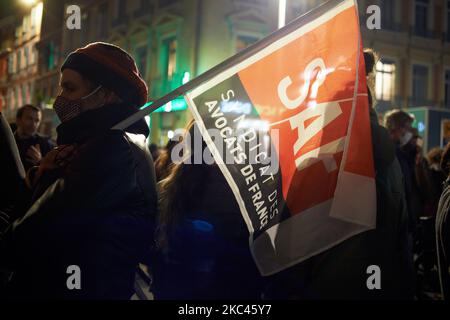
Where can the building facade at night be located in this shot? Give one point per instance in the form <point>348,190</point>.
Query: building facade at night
<point>414,47</point>
<point>22,61</point>
<point>7,29</point>
<point>173,41</point>
<point>49,60</point>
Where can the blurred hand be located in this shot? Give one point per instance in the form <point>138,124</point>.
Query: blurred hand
<point>34,154</point>
<point>57,158</point>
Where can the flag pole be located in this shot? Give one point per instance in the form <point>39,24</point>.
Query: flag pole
<point>228,63</point>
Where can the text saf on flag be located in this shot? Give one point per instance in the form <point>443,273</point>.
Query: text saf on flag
<point>302,101</point>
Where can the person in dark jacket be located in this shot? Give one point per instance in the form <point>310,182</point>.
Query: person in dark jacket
<point>399,125</point>
<point>32,146</point>
<point>94,196</point>
<point>202,240</point>
<point>417,181</point>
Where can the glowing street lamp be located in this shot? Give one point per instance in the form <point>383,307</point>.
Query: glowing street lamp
<point>281,13</point>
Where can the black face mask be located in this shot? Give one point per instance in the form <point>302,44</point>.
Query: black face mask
<point>68,109</point>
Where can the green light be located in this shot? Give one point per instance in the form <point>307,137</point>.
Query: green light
<point>145,105</point>
<point>175,105</point>
<point>179,104</point>
<point>186,77</point>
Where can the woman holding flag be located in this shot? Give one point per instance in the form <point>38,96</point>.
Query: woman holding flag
<point>95,197</point>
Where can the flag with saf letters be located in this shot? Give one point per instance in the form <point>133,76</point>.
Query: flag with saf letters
<point>289,128</point>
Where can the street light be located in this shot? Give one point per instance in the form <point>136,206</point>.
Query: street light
<point>281,13</point>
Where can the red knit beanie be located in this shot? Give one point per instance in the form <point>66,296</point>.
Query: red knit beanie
<point>112,67</point>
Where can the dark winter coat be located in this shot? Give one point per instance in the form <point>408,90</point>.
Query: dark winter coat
<point>97,214</point>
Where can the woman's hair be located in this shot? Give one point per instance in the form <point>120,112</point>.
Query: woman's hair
<point>180,189</point>
<point>164,163</point>
<point>370,59</point>
<point>397,119</point>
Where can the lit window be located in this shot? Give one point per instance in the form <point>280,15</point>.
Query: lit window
<point>11,64</point>
<point>19,59</point>
<point>385,80</point>
<point>26,57</point>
